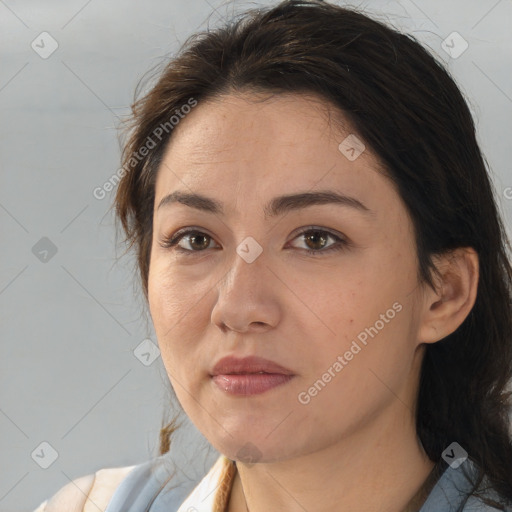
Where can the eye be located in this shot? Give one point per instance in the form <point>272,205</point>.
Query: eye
<point>197,241</point>
<point>317,238</point>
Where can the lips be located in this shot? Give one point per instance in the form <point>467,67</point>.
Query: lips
<point>248,365</point>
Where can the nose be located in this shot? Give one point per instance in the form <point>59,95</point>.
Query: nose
<point>248,297</point>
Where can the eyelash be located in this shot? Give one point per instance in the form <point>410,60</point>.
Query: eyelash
<point>171,242</point>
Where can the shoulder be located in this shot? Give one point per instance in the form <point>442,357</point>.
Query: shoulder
<point>486,498</point>
<point>455,492</point>
<point>475,504</point>
<point>158,483</point>
<point>86,493</point>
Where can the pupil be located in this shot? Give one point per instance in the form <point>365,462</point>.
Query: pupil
<point>193,238</point>
<point>315,236</point>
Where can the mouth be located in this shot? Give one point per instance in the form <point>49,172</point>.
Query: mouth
<point>249,375</point>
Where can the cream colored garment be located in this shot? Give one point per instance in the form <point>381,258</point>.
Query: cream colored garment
<point>89,493</point>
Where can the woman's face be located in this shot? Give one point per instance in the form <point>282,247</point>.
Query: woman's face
<point>343,319</point>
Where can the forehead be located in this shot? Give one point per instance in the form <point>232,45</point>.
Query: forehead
<point>245,124</point>
<point>256,147</point>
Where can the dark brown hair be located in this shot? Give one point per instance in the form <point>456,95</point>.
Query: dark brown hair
<point>405,106</point>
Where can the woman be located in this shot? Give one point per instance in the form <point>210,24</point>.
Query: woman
<point>326,271</point>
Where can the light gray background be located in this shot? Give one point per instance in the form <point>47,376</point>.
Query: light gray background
<point>69,326</point>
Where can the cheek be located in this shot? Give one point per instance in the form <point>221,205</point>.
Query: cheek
<point>173,297</point>
<point>340,309</point>
<point>365,318</point>
<point>173,308</point>
<point>351,381</point>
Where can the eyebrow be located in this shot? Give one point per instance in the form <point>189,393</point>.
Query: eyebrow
<point>277,206</point>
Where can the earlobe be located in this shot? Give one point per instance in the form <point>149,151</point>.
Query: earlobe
<point>456,288</point>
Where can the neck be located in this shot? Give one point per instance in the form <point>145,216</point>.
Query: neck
<point>380,467</point>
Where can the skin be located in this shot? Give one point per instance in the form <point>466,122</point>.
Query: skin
<point>354,445</point>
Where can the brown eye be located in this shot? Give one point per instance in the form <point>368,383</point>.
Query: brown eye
<point>199,241</point>
<point>316,241</point>
<point>193,241</point>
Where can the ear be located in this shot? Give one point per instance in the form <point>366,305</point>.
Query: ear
<point>444,310</point>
